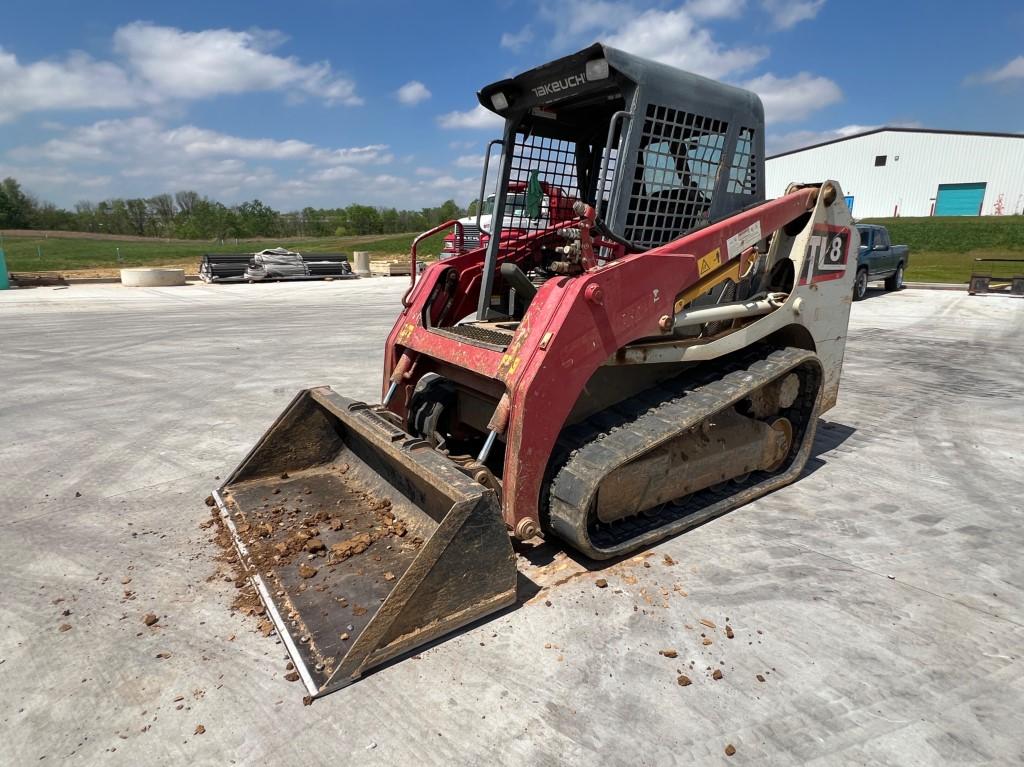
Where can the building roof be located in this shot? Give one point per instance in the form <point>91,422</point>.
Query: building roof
<point>886,129</point>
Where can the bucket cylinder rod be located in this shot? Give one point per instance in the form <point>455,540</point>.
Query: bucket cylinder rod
<point>732,311</point>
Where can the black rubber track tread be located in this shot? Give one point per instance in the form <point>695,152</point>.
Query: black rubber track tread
<point>588,451</point>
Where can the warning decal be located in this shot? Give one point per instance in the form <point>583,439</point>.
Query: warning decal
<point>709,262</point>
<point>744,239</point>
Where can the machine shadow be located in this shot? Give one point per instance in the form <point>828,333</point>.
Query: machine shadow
<point>829,436</point>
<point>876,292</point>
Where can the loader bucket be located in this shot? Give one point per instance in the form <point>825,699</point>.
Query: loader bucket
<point>363,542</point>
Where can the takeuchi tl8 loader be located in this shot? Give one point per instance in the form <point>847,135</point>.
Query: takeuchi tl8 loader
<point>611,377</point>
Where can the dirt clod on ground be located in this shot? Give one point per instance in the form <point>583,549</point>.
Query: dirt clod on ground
<point>601,583</point>
<point>668,560</point>
<point>730,750</point>
<point>292,676</point>
<point>728,632</point>
<point>307,571</point>
<point>684,680</point>
<point>717,674</point>
<point>669,653</point>
<point>709,623</point>
<point>150,619</point>
<point>200,729</point>
<point>210,501</point>
<point>64,627</point>
<point>760,677</point>
<point>706,641</point>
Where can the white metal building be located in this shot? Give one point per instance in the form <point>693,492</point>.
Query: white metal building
<point>912,172</point>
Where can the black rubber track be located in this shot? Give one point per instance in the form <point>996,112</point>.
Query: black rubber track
<point>588,451</point>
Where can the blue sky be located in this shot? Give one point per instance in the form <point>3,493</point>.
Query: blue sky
<point>328,103</point>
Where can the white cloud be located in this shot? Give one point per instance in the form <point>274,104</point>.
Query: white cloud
<point>200,142</point>
<point>472,161</point>
<point>516,41</point>
<point>140,156</point>
<point>413,92</point>
<point>78,82</point>
<point>166,65</point>
<point>1012,70</point>
<point>789,99</point>
<point>715,9</point>
<point>783,142</point>
<point>187,65</point>
<point>476,118</point>
<point>336,173</point>
<point>358,155</point>
<point>573,19</point>
<point>674,38</point>
<point>140,138</point>
<point>788,13</point>
<point>144,152</point>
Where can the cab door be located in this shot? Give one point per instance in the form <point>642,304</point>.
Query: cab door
<point>883,248</point>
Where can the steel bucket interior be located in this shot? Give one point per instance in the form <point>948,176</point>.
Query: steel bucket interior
<point>362,541</point>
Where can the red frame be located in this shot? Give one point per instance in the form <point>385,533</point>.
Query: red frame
<point>559,207</point>
<point>571,327</point>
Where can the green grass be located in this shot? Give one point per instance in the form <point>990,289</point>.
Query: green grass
<point>39,254</point>
<point>943,249</point>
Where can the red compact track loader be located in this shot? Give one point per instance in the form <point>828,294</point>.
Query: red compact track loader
<point>656,359</point>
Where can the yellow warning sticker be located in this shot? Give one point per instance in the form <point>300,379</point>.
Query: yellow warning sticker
<point>509,364</point>
<point>405,332</point>
<point>709,262</point>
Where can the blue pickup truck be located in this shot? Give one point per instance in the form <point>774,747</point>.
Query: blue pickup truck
<point>878,259</point>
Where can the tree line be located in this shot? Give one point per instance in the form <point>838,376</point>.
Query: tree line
<point>191,216</point>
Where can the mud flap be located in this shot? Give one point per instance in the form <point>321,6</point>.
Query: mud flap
<point>362,541</point>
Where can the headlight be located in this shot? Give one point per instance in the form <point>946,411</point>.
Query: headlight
<point>597,69</point>
<point>499,102</point>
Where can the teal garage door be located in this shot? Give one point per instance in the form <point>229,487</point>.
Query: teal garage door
<point>959,199</point>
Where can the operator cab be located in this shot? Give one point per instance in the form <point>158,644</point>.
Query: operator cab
<point>656,151</point>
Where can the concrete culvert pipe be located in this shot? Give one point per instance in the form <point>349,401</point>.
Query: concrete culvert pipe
<point>152,278</point>
<point>362,263</point>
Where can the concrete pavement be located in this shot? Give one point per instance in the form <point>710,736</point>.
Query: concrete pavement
<point>881,598</point>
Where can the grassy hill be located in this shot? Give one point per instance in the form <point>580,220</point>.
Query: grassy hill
<point>943,249</point>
